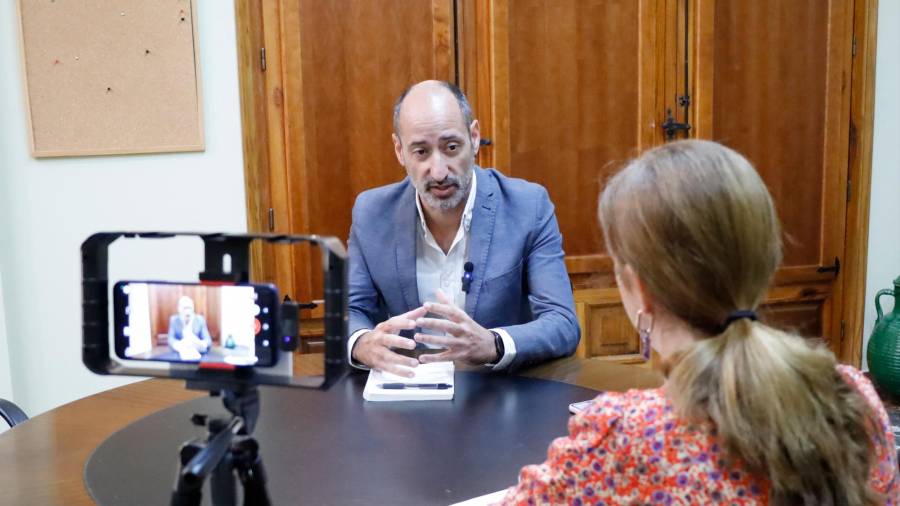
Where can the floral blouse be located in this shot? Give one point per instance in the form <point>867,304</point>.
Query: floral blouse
<point>629,448</point>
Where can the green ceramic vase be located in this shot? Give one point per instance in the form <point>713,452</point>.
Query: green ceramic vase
<point>883,352</point>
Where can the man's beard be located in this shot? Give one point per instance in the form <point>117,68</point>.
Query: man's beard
<point>462,183</point>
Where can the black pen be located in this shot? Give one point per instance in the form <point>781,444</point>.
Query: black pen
<point>402,386</point>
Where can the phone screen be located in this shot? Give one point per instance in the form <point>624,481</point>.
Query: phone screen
<point>195,323</point>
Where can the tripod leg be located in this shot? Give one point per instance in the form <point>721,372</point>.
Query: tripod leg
<point>254,480</point>
<point>222,482</point>
<point>200,459</point>
<point>186,493</point>
<point>249,466</point>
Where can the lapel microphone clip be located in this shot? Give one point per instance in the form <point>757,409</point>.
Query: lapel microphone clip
<point>467,276</point>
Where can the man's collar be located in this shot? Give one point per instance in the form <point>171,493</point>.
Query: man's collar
<point>467,210</point>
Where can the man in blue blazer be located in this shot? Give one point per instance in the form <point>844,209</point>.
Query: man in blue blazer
<point>188,333</point>
<point>471,258</point>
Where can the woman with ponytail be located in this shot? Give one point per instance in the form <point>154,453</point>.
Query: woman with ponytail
<point>748,414</point>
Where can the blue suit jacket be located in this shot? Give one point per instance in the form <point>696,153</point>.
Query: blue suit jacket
<point>520,281</point>
<point>198,327</point>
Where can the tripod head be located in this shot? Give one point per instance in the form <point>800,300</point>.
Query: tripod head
<point>242,401</point>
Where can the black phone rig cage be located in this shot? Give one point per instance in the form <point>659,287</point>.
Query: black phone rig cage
<point>95,309</point>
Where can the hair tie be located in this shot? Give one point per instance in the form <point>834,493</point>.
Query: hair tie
<point>739,315</point>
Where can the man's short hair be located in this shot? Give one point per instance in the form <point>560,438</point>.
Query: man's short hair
<point>461,100</point>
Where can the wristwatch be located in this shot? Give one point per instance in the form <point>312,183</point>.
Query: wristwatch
<point>498,344</point>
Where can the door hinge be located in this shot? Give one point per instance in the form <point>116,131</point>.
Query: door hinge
<point>835,267</point>
<point>853,51</point>
<point>271,220</point>
<point>843,328</point>
<point>262,59</point>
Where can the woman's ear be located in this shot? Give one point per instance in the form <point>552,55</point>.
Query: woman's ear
<point>636,289</point>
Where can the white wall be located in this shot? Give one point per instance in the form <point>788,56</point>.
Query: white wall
<point>5,377</point>
<point>884,215</point>
<point>49,206</point>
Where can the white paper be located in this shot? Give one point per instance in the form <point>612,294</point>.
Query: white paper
<point>484,500</point>
<point>577,407</point>
<point>438,372</point>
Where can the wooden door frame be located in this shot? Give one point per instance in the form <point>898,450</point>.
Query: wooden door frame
<point>262,125</point>
<point>859,173</point>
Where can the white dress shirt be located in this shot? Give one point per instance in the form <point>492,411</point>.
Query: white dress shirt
<point>438,270</point>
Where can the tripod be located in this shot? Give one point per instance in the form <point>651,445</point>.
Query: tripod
<point>227,450</point>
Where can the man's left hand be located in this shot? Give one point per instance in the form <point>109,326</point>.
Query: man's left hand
<point>465,340</point>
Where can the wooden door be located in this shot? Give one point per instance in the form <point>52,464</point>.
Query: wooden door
<point>329,74</point>
<point>344,63</point>
<point>576,88</point>
<point>772,82</point>
<point>338,66</point>
<point>568,91</point>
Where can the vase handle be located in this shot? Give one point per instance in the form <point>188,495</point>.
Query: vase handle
<point>886,291</point>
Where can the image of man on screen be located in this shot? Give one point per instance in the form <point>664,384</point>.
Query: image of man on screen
<point>188,333</point>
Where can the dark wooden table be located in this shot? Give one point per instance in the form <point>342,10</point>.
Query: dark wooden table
<point>42,461</point>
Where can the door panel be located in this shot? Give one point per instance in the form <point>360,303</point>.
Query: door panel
<point>771,82</point>
<point>770,106</point>
<point>345,62</point>
<point>606,329</point>
<point>572,97</point>
<point>802,318</point>
<point>568,91</point>
<point>567,97</point>
<point>778,93</point>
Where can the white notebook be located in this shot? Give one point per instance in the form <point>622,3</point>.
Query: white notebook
<point>484,500</point>
<point>432,382</point>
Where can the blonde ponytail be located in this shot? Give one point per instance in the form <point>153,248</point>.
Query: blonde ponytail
<point>696,223</point>
<point>782,410</point>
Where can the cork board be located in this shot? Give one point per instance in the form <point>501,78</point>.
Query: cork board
<point>109,77</point>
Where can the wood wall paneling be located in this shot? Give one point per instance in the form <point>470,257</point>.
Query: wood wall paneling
<point>608,331</point>
<point>345,63</point>
<point>606,327</point>
<point>771,83</point>
<point>575,92</point>
<point>801,318</point>
<point>581,101</point>
<point>770,106</point>
<point>567,91</point>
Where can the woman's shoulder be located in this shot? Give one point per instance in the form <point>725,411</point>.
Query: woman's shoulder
<point>862,384</point>
<point>629,412</point>
<point>883,476</point>
<point>621,404</point>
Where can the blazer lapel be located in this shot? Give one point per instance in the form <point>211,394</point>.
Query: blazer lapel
<point>405,246</point>
<point>480,234</point>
